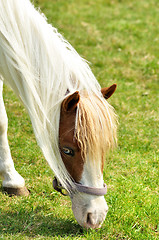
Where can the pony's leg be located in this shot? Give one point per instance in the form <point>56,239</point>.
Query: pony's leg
<point>12,182</point>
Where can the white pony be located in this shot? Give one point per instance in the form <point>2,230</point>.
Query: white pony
<point>52,80</point>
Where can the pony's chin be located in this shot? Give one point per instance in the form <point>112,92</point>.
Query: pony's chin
<point>89,211</point>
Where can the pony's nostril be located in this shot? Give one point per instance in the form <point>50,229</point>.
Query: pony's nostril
<point>89,221</point>
<point>93,220</point>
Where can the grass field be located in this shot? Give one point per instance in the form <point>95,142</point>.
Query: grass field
<point>121,40</point>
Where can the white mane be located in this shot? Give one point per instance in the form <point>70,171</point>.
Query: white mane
<point>40,66</point>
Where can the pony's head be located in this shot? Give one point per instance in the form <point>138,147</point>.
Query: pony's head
<point>87,130</point>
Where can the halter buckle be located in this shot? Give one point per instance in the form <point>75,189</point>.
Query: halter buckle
<point>58,187</point>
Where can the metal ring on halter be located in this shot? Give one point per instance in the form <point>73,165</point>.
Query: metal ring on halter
<point>81,188</point>
<point>58,187</point>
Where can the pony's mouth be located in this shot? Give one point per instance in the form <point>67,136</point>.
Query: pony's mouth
<point>91,214</point>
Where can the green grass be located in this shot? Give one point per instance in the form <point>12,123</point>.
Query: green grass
<point>121,40</point>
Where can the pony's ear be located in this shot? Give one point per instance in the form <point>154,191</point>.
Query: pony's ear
<point>108,91</point>
<point>70,102</point>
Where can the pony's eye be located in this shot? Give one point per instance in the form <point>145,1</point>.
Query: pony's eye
<point>68,151</point>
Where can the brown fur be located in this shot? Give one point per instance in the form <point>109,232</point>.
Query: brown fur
<point>74,165</point>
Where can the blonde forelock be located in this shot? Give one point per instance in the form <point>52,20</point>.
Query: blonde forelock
<point>95,127</point>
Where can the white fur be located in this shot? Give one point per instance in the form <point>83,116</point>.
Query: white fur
<point>84,204</point>
<point>92,175</point>
<point>96,207</point>
<point>10,176</point>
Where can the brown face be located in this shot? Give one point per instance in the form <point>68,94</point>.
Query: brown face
<point>70,151</point>
<point>69,148</point>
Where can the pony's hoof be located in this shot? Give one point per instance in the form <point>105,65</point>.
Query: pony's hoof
<point>23,191</point>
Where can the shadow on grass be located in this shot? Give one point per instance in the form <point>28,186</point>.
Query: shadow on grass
<point>32,224</point>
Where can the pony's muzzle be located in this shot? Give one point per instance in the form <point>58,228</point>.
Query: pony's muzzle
<point>94,219</point>
<point>89,211</point>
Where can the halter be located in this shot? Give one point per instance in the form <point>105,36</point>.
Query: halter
<point>80,188</point>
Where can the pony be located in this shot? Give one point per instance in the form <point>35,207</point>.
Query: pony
<point>73,123</point>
